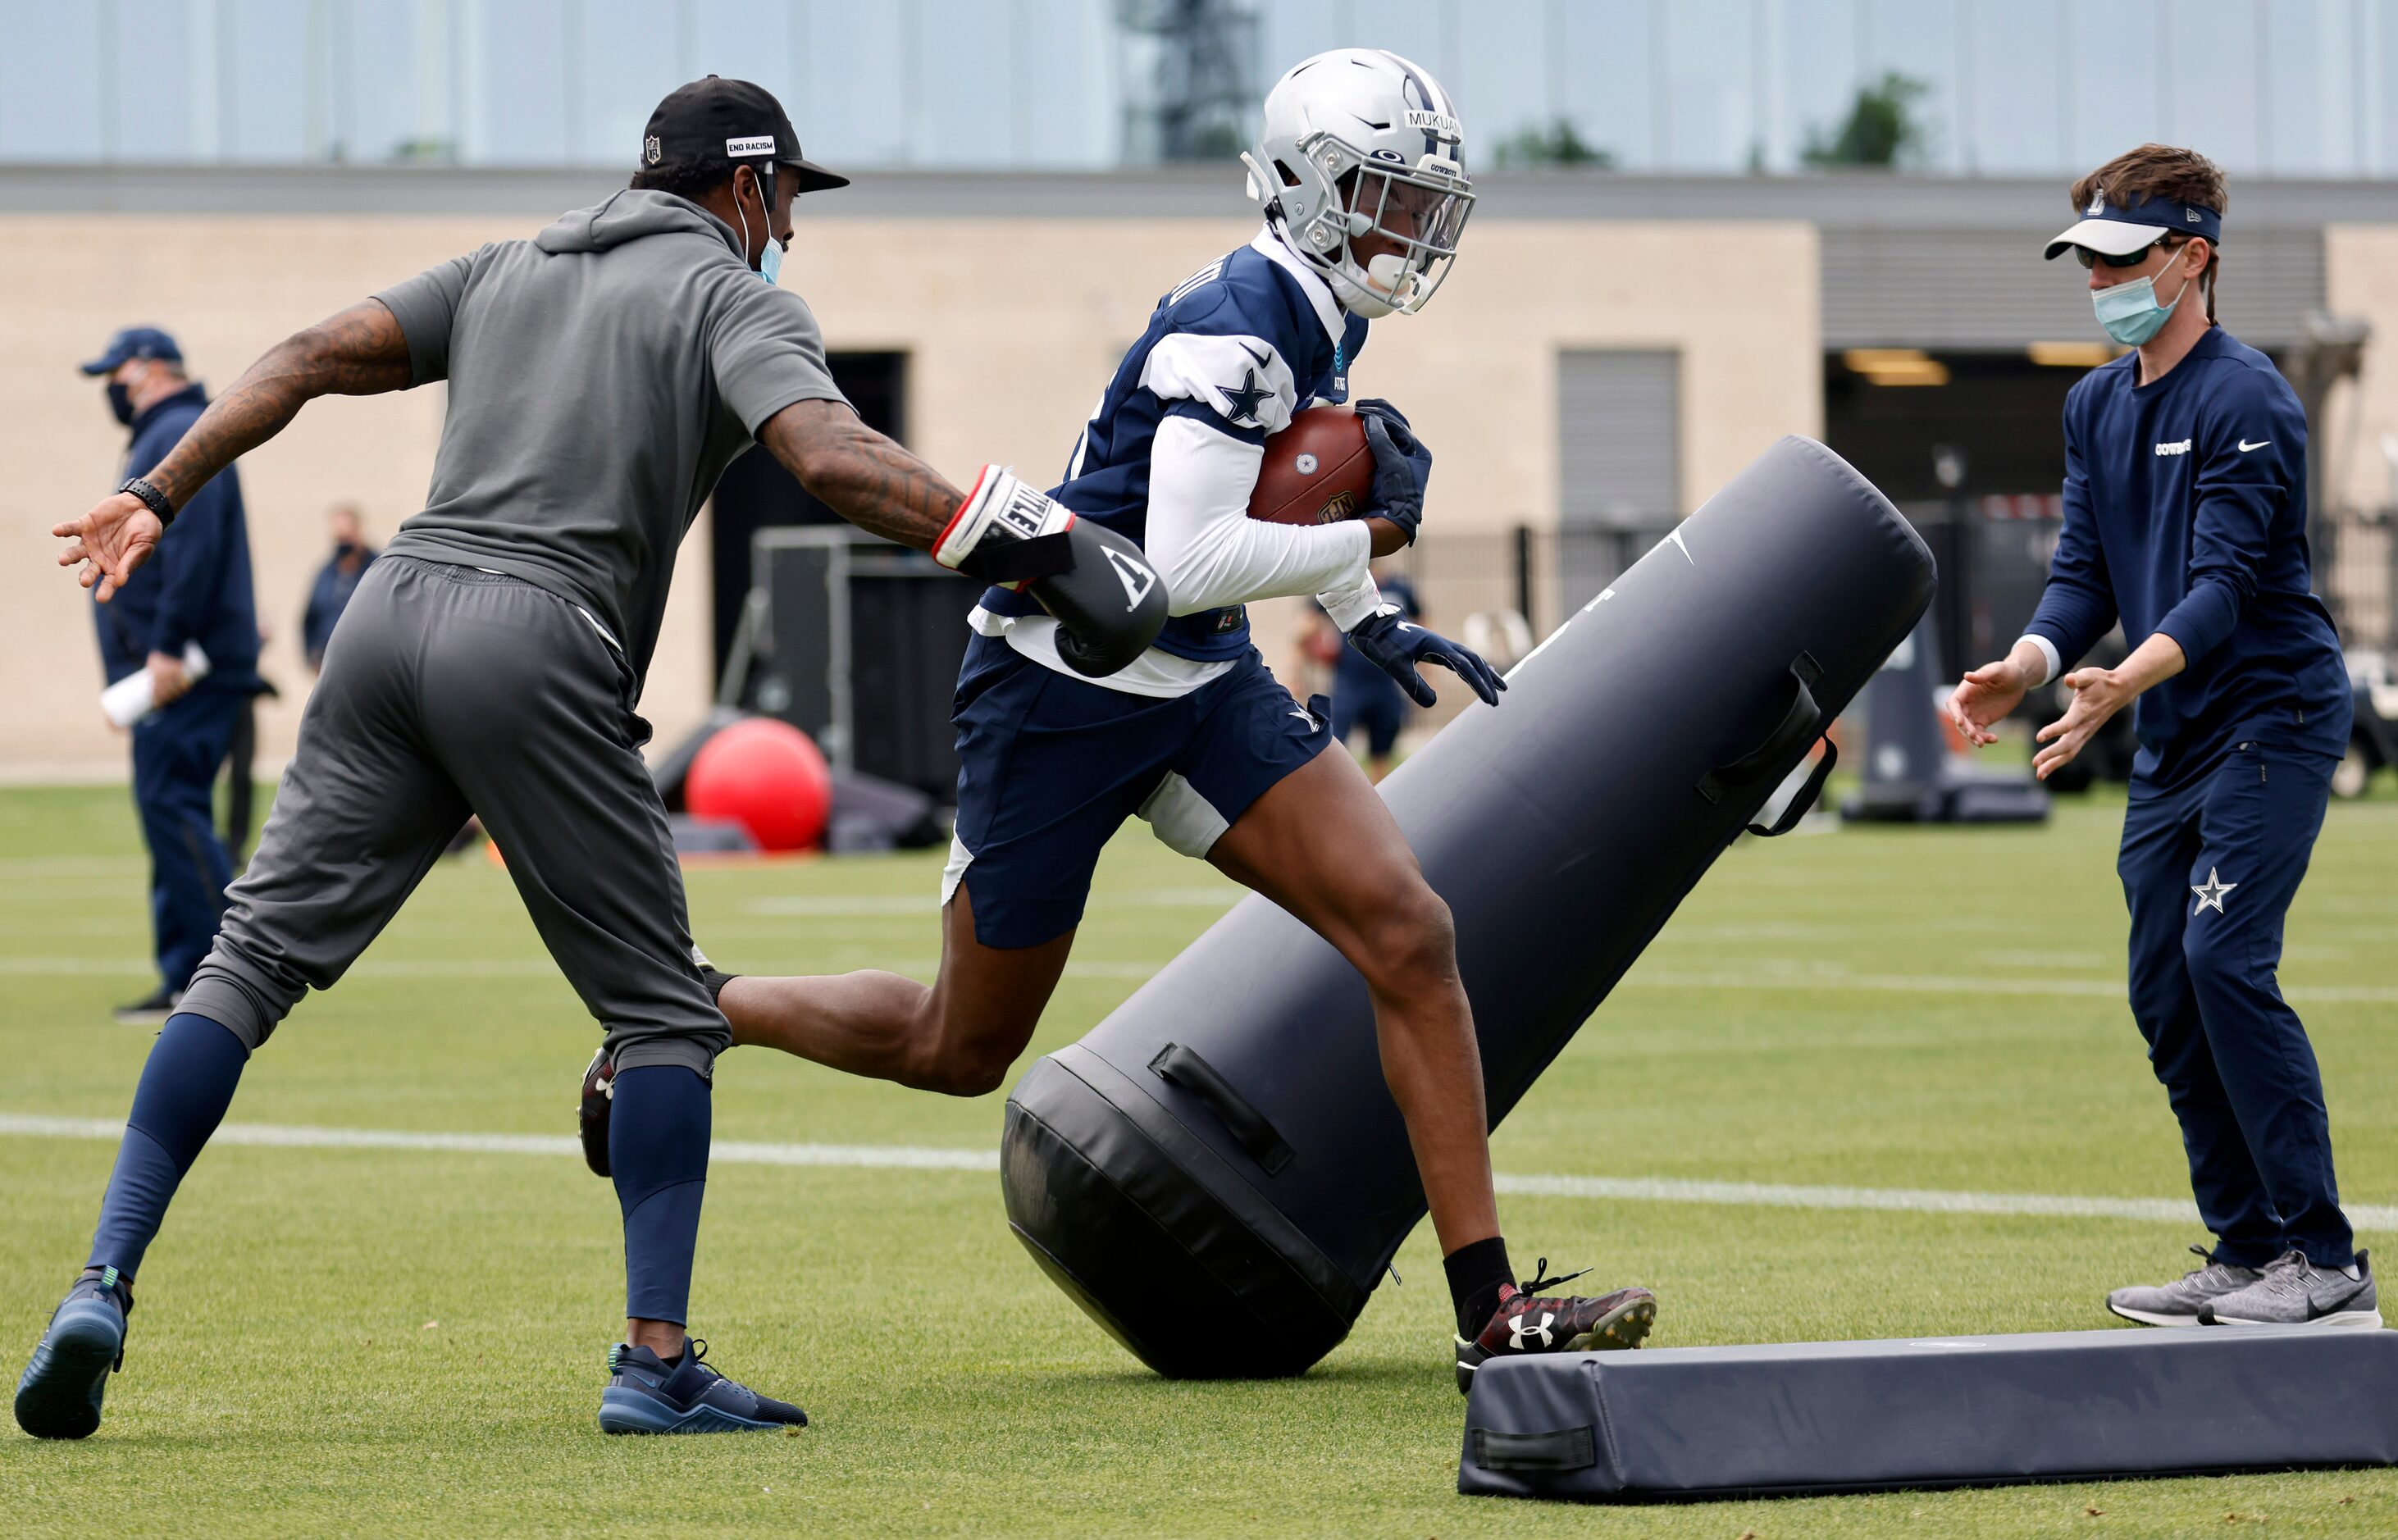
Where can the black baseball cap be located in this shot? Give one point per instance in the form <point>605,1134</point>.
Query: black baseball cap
<point>720,122</point>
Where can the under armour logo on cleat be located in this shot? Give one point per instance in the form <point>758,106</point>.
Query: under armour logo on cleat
<point>1518,1331</point>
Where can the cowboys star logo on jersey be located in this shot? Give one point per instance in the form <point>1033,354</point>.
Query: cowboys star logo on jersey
<point>1241,406</point>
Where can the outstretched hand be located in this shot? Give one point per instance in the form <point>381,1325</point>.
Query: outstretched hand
<point>1982,698</point>
<point>2098,693</point>
<point>1397,646</point>
<point>110,541</point>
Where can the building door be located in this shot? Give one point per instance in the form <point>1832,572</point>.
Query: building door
<point>755,493</point>
<point>1619,462</point>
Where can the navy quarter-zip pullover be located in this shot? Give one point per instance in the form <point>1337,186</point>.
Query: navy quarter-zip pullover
<point>196,585</point>
<point>2186,513</point>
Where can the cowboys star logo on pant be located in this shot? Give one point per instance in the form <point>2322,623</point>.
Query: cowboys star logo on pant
<point>1517,1329</point>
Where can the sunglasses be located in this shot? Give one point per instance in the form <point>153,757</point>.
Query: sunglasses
<point>2129,259</point>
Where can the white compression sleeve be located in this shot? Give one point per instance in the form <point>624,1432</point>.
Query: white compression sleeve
<point>1208,549</point>
<point>2048,651</point>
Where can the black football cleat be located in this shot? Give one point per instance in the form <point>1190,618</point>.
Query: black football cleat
<point>1526,1322</point>
<point>591,1117</point>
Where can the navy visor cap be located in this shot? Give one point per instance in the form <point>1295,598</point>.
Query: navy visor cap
<point>135,342</point>
<point>2119,229</point>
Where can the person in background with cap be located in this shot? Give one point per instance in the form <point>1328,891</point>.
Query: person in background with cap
<point>601,375</point>
<point>336,581</point>
<point>197,592</point>
<point>2185,519</point>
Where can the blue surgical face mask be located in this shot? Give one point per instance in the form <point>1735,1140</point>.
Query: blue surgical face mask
<point>770,260</point>
<point>2130,313</point>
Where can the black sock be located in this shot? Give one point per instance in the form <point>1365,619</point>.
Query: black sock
<point>1476,1273</point>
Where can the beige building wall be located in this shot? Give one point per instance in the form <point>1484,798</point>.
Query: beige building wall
<point>1011,328</point>
<point>2361,278</point>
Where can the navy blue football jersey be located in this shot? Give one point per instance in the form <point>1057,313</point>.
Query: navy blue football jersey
<point>1239,345</point>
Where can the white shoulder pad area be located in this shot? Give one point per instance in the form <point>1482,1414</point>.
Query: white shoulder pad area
<point>1244,379</point>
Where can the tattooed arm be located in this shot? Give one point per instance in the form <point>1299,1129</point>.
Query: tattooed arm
<point>359,352</point>
<point>861,475</point>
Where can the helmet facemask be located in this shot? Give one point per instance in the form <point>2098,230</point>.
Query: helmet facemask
<point>1418,211</point>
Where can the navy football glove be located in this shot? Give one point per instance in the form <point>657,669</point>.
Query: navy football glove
<point>1396,645</point>
<point>1402,466</point>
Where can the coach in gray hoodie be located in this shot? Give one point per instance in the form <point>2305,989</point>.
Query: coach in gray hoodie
<point>602,376</point>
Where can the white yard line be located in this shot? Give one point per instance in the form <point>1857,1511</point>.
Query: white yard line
<point>924,1157</point>
<point>503,968</point>
<point>1952,985</point>
<point>1650,977</point>
<point>836,907</point>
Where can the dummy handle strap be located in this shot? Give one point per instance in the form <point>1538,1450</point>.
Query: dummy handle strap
<point>1179,1066</point>
<point>1562,1448</point>
<point>1800,722</point>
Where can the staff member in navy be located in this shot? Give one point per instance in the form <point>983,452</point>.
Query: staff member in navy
<point>197,590</point>
<point>2185,519</point>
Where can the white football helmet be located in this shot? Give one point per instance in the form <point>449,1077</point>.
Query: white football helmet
<point>1360,142</point>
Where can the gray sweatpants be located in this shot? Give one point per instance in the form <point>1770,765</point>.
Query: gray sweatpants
<point>447,690</point>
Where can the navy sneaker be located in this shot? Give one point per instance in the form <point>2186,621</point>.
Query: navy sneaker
<point>648,1395</point>
<point>58,1396</point>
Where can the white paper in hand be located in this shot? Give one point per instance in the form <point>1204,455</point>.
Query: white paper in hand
<point>131,698</point>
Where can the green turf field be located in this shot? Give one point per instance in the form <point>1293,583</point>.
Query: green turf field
<point>401,1341</point>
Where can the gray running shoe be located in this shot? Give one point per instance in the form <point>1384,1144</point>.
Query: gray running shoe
<point>2179,1302</point>
<point>2293,1292</point>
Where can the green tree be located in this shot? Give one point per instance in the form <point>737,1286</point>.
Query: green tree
<point>1557,145</point>
<point>1881,129</point>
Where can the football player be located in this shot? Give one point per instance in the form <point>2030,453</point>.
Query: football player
<point>1361,175</point>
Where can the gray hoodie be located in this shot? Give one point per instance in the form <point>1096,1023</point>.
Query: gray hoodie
<point>602,377</point>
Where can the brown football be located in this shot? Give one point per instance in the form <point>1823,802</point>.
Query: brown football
<point>1316,471</point>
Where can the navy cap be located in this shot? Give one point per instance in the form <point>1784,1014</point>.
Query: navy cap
<point>719,122</point>
<point>2119,229</point>
<point>135,342</point>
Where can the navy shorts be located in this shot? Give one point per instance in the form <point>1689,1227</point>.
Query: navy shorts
<point>1050,766</point>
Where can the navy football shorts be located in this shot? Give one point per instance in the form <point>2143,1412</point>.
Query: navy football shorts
<point>1050,766</point>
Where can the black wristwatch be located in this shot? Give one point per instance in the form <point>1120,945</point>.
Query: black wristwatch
<point>152,498</point>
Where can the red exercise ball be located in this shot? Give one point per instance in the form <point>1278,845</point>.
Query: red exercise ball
<point>767,776</point>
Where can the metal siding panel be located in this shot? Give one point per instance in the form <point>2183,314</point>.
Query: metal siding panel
<point>1619,437</point>
<point>1970,289</point>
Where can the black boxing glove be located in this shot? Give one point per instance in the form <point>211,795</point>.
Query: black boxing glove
<point>1108,601</point>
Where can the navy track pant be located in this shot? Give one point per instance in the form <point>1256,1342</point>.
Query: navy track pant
<point>176,753</point>
<point>2209,870</point>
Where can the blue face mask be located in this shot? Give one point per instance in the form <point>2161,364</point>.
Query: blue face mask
<point>770,260</point>
<point>2130,313</point>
